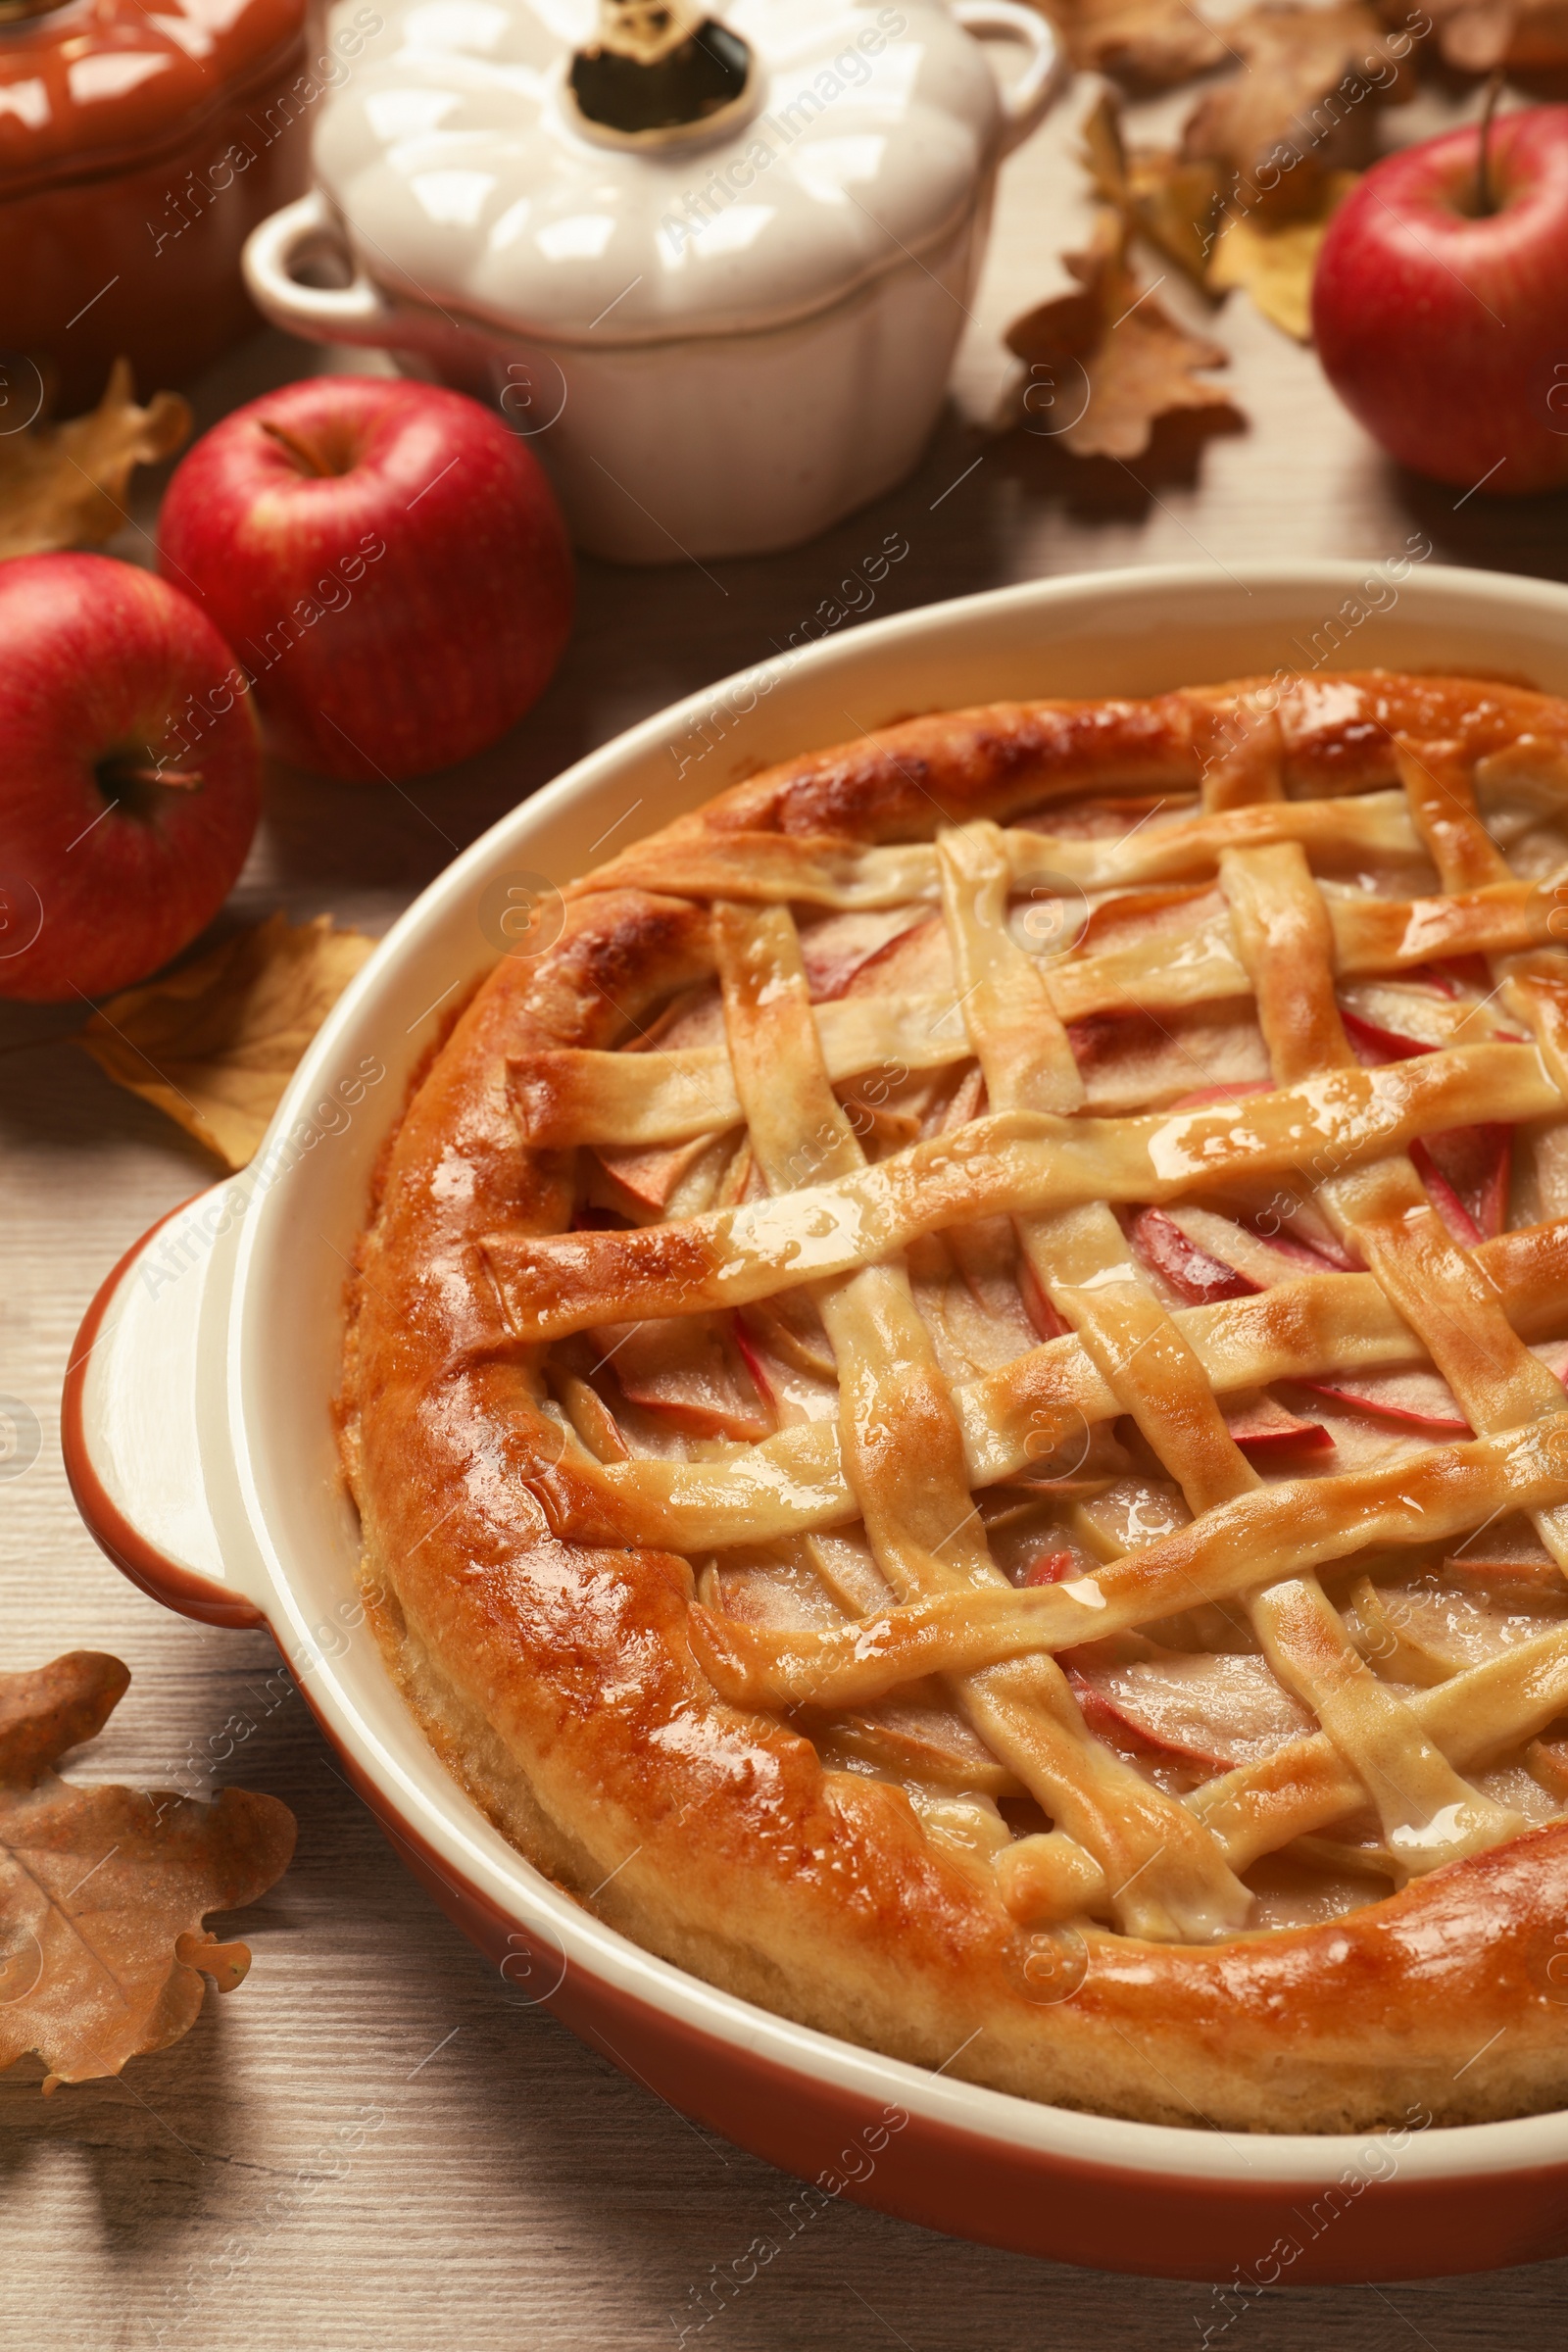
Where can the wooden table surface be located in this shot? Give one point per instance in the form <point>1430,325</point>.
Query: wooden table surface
<point>509,2189</point>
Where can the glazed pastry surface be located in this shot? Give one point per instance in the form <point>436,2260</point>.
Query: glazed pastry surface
<point>956,1399</point>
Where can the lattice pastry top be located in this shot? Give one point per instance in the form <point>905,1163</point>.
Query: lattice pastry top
<point>956,1398</point>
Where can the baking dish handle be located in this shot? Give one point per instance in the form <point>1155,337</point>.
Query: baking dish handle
<point>1027,101</point>
<point>143,1374</point>
<point>357,313</point>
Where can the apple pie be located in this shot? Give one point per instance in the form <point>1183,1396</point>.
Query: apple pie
<point>956,1395</point>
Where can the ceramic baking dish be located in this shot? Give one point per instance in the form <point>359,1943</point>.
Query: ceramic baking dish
<point>199,1442</point>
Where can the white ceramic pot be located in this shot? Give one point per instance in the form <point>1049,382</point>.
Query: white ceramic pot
<point>719,346</point>
<point>199,1436</point>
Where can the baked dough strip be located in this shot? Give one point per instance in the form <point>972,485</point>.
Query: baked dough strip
<point>571,1095</point>
<point>1081,1258</point>
<point>904,1453</point>
<point>1277,1530</point>
<point>1502,1384</point>
<point>565,1096</point>
<point>794,1483</point>
<point>1011,1163</point>
<point>1308,1786</point>
<point>1428,1815</point>
<point>828,870</point>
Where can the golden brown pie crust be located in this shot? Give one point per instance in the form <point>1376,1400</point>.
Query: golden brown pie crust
<point>555,1660</point>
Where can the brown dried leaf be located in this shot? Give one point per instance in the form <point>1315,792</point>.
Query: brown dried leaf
<point>63,484</point>
<point>1147,45</point>
<point>1303,104</point>
<point>1538,39</point>
<point>1477,35</point>
<point>1112,349</point>
<point>104,1889</point>
<point>1275,262</point>
<point>1530,38</point>
<point>1170,202</point>
<point>215,1043</point>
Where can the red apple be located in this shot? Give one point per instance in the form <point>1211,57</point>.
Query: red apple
<point>388,562</point>
<point>1441,324</point>
<point>121,824</point>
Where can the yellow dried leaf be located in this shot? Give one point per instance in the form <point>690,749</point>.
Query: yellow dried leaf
<point>1275,263</point>
<point>1109,359</point>
<point>214,1043</point>
<point>1303,104</point>
<point>63,484</point>
<point>102,1951</point>
<point>1147,44</point>
<point>1162,197</point>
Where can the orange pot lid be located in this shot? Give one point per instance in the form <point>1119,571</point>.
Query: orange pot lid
<point>90,87</point>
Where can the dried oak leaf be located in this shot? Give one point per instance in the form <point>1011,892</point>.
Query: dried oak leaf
<point>61,484</point>
<point>1147,44</point>
<point>103,1890</point>
<point>1170,202</point>
<point>215,1043</point>
<point>1303,104</point>
<point>1110,352</point>
<point>1275,262</point>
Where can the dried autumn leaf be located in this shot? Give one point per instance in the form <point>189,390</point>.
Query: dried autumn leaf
<point>214,1043</point>
<point>1305,102</point>
<point>1476,36</point>
<point>63,484</point>
<point>1147,44</point>
<point>1112,354</point>
<point>104,1889</point>
<point>1170,202</point>
<point>1275,262</point>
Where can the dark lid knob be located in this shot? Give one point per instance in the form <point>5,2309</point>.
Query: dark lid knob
<point>658,65</point>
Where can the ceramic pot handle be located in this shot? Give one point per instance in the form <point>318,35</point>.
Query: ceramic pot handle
<point>1025,104</point>
<point>145,1369</point>
<point>357,313</point>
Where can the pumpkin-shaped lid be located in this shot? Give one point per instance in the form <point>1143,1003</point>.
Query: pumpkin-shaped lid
<point>480,165</point>
<point>93,87</point>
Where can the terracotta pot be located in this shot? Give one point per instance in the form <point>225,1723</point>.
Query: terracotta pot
<point>138,148</point>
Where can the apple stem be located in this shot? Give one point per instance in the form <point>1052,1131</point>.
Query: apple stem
<point>117,773</point>
<point>1486,194</point>
<point>174,779</point>
<point>304,456</point>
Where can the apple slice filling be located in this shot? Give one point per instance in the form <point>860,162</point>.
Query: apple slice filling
<point>1209,1713</point>
<point>1267,1431</point>
<point>1417,1400</point>
<point>691,1370</point>
<point>1197,1278</point>
<point>1467,1171</point>
<point>838,951</point>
